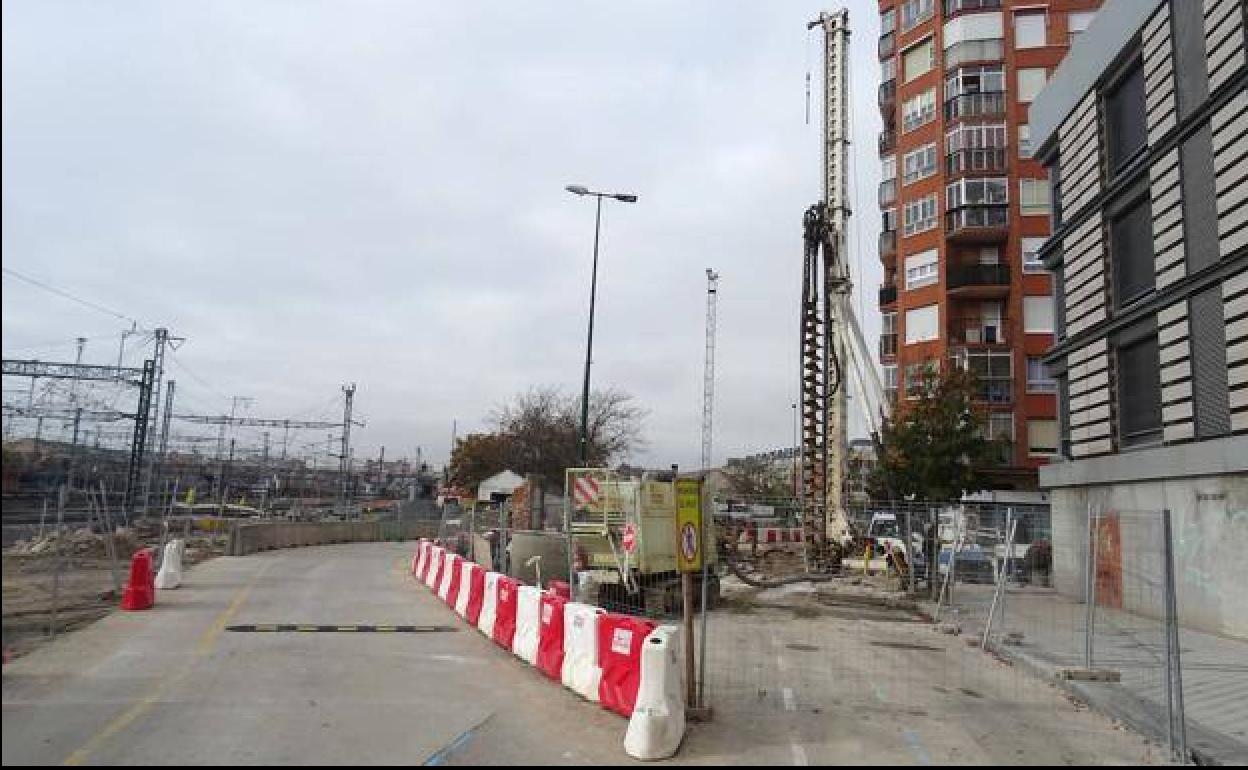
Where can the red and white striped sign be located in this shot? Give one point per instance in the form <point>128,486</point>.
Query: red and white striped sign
<point>585,490</point>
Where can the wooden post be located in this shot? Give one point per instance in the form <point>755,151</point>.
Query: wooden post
<point>691,684</point>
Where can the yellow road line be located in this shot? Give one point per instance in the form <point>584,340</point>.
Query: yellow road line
<point>154,695</point>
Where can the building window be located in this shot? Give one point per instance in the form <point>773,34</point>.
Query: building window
<point>974,80</point>
<point>919,164</point>
<point>1126,122</point>
<point>974,50</point>
<point>888,21</point>
<point>922,269</point>
<point>918,59</point>
<point>888,220</point>
<point>888,169</point>
<point>1031,255</point>
<point>1031,82</point>
<point>994,374</point>
<point>922,324</point>
<point>915,12</point>
<point>1000,426</point>
<point>1077,22</point>
<point>975,137</point>
<point>1139,393</point>
<point>1034,198</point>
<point>977,192</point>
<point>888,70</point>
<point>1038,378</point>
<point>920,215</point>
<point>1029,30</point>
<point>890,381</point>
<point>1024,140</point>
<point>919,110</point>
<point>1131,252</point>
<point>1038,315</point>
<point>1042,438</point>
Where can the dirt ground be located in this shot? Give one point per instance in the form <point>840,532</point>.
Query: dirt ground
<point>56,585</point>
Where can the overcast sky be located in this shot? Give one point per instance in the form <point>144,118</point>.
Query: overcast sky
<point>372,192</point>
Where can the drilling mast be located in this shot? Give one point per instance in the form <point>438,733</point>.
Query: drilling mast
<point>826,289</point>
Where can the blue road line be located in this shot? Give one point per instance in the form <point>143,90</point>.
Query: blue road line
<point>916,747</point>
<point>440,756</point>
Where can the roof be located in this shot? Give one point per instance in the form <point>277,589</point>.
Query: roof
<point>503,483</point>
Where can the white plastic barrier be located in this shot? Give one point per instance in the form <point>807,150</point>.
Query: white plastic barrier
<point>465,588</point>
<point>435,556</point>
<point>528,624</point>
<point>170,575</point>
<point>657,725</point>
<point>489,606</point>
<point>581,673</point>
<point>452,564</point>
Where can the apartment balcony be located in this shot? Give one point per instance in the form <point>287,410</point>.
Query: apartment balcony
<point>888,295</point>
<point>888,192</point>
<point>954,7</point>
<point>888,345</point>
<point>888,244</point>
<point>888,141</point>
<point>978,224</point>
<point>978,331</point>
<point>888,98</point>
<point>985,104</point>
<point>978,281</point>
<point>1003,452</point>
<point>888,44</point>
<point>977,160</point>
<point>994,390</point>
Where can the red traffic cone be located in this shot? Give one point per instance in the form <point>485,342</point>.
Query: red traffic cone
<point>140,593</point>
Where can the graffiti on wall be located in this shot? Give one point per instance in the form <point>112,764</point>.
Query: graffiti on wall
<point>1108,540</point>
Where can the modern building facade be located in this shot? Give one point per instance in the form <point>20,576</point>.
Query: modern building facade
<point>1144,130</point>
<point>966,206</point>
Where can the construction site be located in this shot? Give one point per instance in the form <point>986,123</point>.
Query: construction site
<point>1007,532</point>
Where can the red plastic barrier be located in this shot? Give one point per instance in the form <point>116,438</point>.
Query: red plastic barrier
<point>420,549</point>
<point>505,620</point>
<point>476,595</point>
<point>550,635</point>
<point>429,559</point>
<point>439,560</point>
<point>560,588</point>
<point>140,593</point>
<point>456,565</point>
<point>619,657</point>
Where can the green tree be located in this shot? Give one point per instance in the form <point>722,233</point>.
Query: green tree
<point>937,448</point>
<point>538,431</point>
<point>757,477</point>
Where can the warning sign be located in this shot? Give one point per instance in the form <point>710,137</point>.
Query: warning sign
<point>628,541</point>
<point>689,525</point>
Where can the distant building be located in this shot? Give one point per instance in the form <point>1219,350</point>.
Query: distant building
<point>1144,130</point>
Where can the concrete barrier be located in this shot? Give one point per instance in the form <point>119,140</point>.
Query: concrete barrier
<point>170,575</point>
<point>657,724</point>
<point>252,537</point>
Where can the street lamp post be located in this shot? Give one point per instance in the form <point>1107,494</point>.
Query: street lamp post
<point>577,189</point>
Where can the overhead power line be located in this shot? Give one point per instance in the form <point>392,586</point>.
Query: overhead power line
<point>62,293</point>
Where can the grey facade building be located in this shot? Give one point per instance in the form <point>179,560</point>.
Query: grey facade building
<point>1144,130</point>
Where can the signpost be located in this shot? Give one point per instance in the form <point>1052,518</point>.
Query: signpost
<point>688,560</point>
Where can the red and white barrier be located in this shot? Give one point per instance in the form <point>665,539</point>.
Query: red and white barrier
<point>620,639</point>
<point>420,559</point>
<point>476,595</point>
<point>505,611</point>
<point>450,576</point>
<point>528,624</point>
<point>465,587</point>
<point>657,724</point>
<point>550,635</point>
<point>436,558</point>
<point>489,604</point>
<point>581,673</point>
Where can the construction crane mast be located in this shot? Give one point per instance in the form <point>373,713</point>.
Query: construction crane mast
<point>708,376</point>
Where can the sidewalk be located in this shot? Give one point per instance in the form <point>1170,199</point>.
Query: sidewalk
<point>1215,669</point>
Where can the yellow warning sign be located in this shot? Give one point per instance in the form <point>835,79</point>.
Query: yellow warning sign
<point>688,525</point>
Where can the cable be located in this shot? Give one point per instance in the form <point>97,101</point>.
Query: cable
<point>174,358</point>
<point>67,295</point>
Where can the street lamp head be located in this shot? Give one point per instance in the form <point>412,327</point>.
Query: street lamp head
<point>577,189</point>
<point>626,197</point>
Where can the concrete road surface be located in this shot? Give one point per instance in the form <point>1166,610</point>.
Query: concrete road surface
<point>172,686</point>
